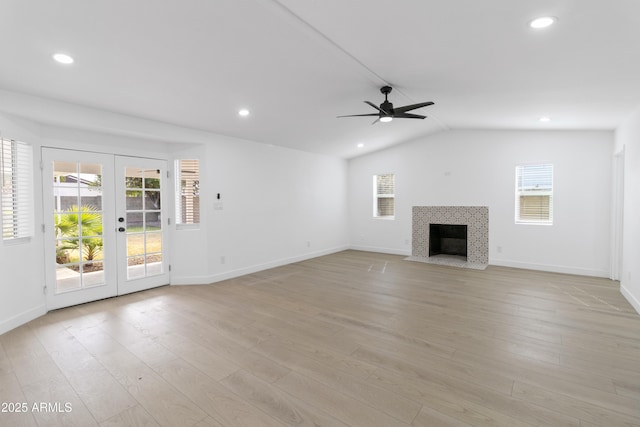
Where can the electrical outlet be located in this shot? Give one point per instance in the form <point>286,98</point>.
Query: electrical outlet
<point>223,259</point>
<point>499,249</point>
<point>308,243</point>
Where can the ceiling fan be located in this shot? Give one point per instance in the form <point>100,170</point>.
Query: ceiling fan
<point>386,112</point>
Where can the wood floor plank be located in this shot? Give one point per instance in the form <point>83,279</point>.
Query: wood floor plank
<point>581,409</point>
<point>536,372</point>
<point>277,403</point>
<point>467,371</point>
<point>12,396</point>
<point>209,422</point>
<point>429,371</point>
<point>92,387</point>
<point>369,394</point>
<point>347,409</point>
<point>473,405</point>
<point>248,360</point>
<point>167,406</point>
<point>324,355</point>
<point>203,359</point>
<point>352,338</point>
<point>431,418</point>
<point>216,400</point>
<point>136,416</point>
<point>57,403</point>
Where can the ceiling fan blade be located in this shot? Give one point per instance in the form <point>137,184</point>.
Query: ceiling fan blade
<point>377,108</point>
<point>411,107</point>
<point>375,121</point>
<point>408,116</point>
<point>360,115</point>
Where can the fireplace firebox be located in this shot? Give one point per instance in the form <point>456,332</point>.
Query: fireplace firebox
<point>447,239</point>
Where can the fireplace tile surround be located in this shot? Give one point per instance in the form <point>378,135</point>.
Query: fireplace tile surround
<point>476,218</point>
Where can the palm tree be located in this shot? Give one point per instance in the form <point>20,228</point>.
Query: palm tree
<point>85,221</point>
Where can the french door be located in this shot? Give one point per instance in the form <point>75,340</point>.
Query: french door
<point>105,225</point>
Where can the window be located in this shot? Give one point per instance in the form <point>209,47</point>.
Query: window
<point>16,169</point>
<point>383,196</point>
<point>534,194</point>
<point>187,192</point>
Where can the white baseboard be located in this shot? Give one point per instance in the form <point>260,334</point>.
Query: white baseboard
<point>205,280</point>
<point>551,268</point>
<point>391,251</point>
<point>635,303</point>
<point>190,280</point>
<point>22,318</point>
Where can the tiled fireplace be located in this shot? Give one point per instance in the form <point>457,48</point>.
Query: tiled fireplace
<point>476,218</point>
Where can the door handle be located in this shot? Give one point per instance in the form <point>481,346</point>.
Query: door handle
<point>121,229</point>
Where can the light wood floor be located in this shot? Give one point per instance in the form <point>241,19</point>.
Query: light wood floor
<point>350,339</point>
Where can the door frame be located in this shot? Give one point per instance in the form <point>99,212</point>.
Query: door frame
<point>114,286</point>
<point>617,223</point>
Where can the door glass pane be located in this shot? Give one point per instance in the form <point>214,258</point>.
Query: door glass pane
<point>134,199</point>
<point>152,221</point>
<point>135,244</point>
<point>143,220</point>
<point>93,273</point>
<point>154,243</point>
<point>152,199</point>
<point>135,222</point>
<point>78,222</point>
<point>133,179</point>
<point>154,264</point>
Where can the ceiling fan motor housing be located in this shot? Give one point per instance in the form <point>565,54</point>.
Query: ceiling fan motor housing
<point>388,107</point>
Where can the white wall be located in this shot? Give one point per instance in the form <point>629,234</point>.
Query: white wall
<point>478,168</point>
<point>278,205</point>
<point>21,289</point>
<point>627,137</point>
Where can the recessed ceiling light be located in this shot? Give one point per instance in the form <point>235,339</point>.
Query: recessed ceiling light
<point>244,112</point>
<point>544,119</point>
<point>360,145</point>
<point>386,119</point>
<point>62,58</point>
<point>543,22</point>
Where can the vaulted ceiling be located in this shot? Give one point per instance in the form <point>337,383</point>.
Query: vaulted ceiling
<point>297,64</point>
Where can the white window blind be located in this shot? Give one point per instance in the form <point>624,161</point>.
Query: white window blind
<point>16,169</point>
<point>384,196</point>
<point>534,194</point>
<point>188,191</point>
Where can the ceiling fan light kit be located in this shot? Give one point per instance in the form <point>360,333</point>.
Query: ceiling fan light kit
<point>387,113</point>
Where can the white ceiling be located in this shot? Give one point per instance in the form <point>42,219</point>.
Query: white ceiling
<point>297,64</point>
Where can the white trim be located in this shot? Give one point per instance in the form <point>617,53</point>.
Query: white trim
<point>617,216</point>
<point>205,280</point>
<point>391,251</point>
<point>551,268</point>
<point>525,171</point>
<point>22,318</point>
<point>16,241</point>
<point>635,303</point>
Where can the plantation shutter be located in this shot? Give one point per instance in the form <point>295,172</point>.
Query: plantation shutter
<point>384,195</point>
<point>16,168</point>
<point>188,192</point>
<point>534,194</point>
